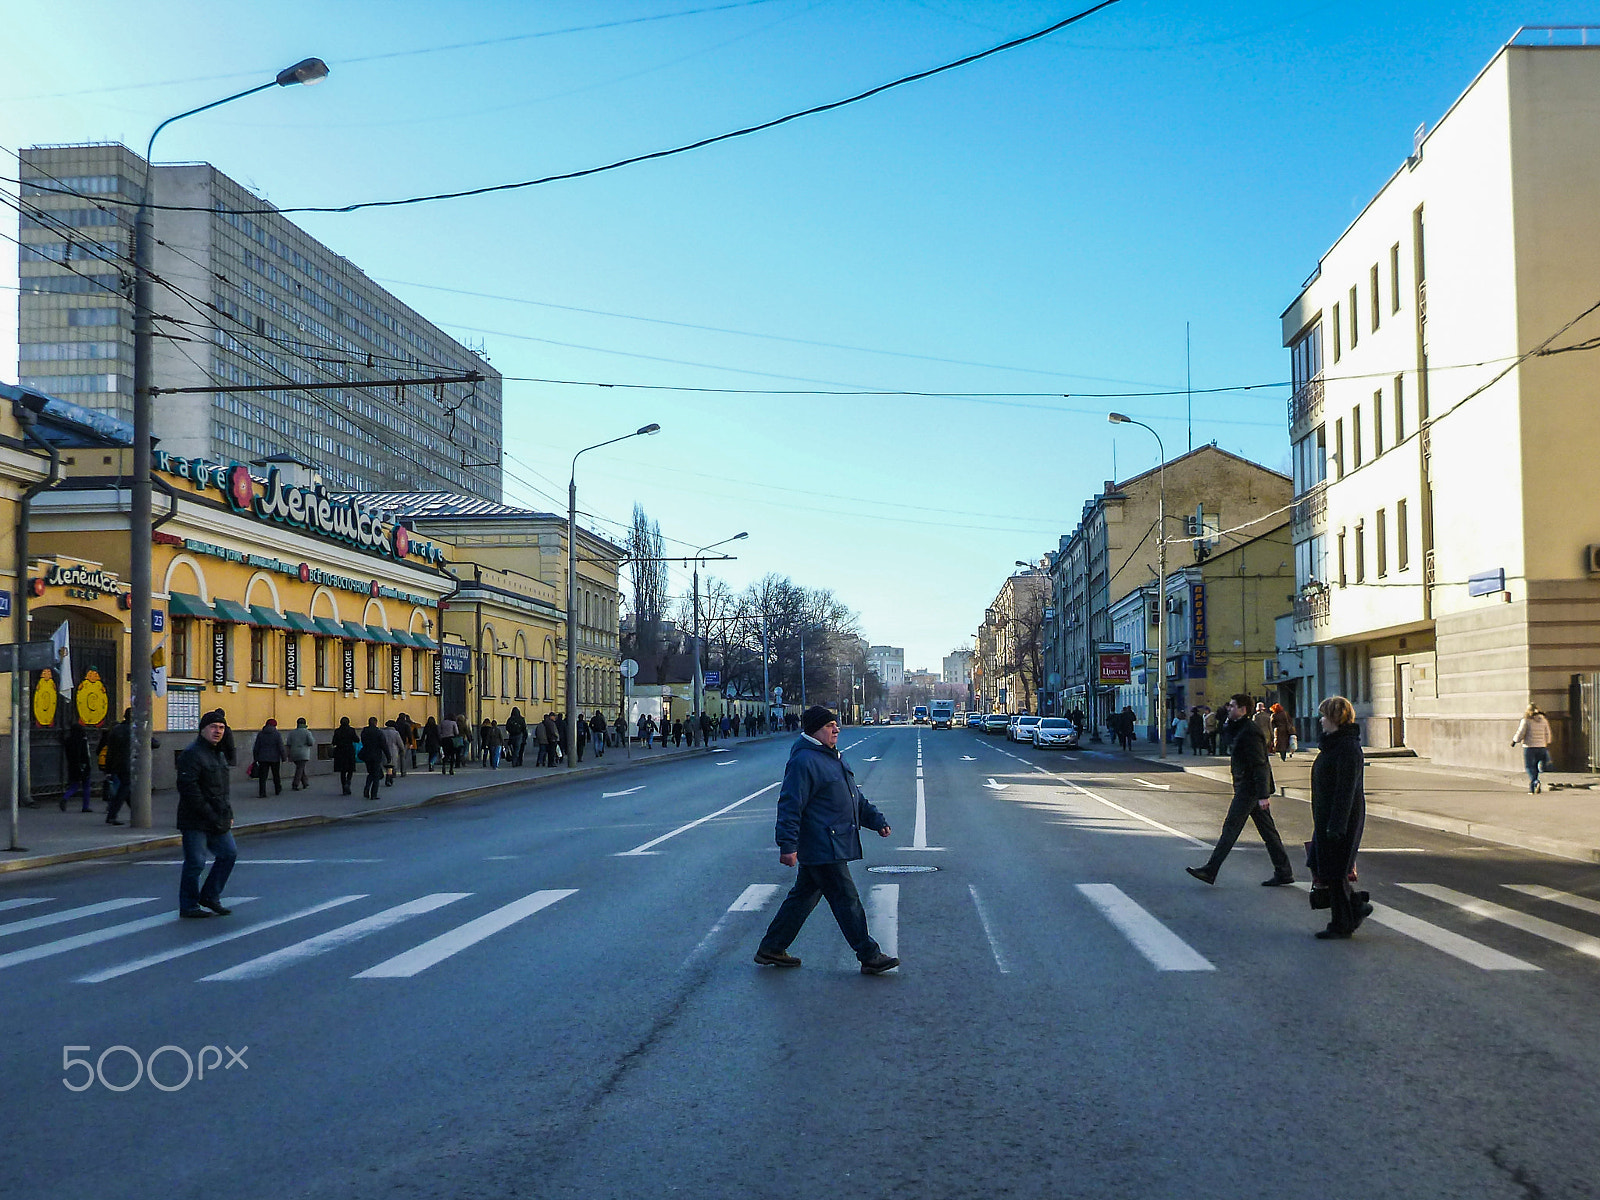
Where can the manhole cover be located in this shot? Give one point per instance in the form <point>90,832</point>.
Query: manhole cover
<point>897,869</point>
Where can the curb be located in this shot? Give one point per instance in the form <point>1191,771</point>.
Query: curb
<point>482,791</point>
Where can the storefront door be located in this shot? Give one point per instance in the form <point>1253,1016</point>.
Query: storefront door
<point>94,700</point>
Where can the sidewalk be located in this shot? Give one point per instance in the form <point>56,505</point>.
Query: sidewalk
<point>51,836</point>
<point>1491,806</point>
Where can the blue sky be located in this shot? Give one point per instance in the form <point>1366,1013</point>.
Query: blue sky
<point>1045,221</point>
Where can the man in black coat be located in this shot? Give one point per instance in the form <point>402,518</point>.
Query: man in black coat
<point>1252,789</point>
<point>205,818</point>
<point>820,815</point>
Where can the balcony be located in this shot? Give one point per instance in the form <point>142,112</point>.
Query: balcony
<point>1305,406</point>
<point>1310,511</point>
<point>1312,606</point>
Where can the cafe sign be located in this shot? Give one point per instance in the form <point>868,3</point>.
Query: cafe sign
<point>312,509</point>
<point>82,583</point>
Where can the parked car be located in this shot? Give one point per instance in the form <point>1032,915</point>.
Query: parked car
<point>974,720</point>
<point>1055,733</point>
<point>995,723</point>
<point>1022,728</point>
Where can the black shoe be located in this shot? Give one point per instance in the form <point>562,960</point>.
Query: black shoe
<point>1203,875</point>
<point>1331,933</point>
<point>1278,881</point>
<point>218,907</point>
<point>109,821</point>
<point>195,913</point>
<point>879,963</point>
<point>776,958</point>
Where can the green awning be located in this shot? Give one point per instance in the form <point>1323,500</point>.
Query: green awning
<point>424,642</point>
<point>379,634</point>
<point>355,629</point>
<point>227,610</point>
<point>301,623</point>
<point>267,618</point>
<point>182,604</point>
<point>415,639</point>
<point>330,627</point>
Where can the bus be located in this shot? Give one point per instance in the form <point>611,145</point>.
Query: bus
<point>944,714</point>
<point>919,715</point>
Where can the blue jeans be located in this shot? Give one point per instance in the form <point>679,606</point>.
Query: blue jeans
<point>196,843</point>
<point>833,881</point>
<point>1535,759</point>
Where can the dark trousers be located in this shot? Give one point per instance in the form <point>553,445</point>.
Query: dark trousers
<point>369,790</point>
<point>196,843</point>
<point>117,795</point>
<point>344,781</point>
<point>832,880</point>
<point>262,770</point>
<point>1240,811</point>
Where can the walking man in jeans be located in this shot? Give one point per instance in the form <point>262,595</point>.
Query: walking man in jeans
<point>1252,789</point>
<point>205,818</point>
<point>820,815</point>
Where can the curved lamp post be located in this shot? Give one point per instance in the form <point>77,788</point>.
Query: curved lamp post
<point>572,589</point>
<point>1157,679</point>
<point>308,70</point>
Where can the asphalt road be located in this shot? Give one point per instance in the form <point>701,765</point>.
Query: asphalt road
<point>551,995</point>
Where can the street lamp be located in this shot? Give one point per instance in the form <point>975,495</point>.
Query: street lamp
<point>699,685</point>
<point>572,588</point>
<point>1156,680</point>
<point>308,70</point>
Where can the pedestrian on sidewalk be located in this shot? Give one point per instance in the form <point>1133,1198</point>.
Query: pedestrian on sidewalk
<point>597,727</point>
<point>1263,721</point>
<point>677,733</point>
<point>403,726</point>
<point>1338,815</point>
<point>1252,794</point>
<point>516,737</point>
<point>620,730</point>
<point>118,745</point>
<point>1282,732</point>
<point>75,752</point>
<point>205,820</point>
<point>267,755</point>
<point>1175,735</point>
<point>708,729</point>
<point>395,750</point>
<point>494,739</point>
<point>1197,730</point>
<point>820,815</point>
<point>449,741</point>
<point>541,741</point>
<point>432,743</point>
<point>345,740</point>
<point>374,753</point>
<point>301,744</point>
<point>1534,734</point>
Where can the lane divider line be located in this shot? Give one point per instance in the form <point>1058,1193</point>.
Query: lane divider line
<point>883,917</point>
<point>1165,950</point>
<point>988,930</point>
<point>753,899</point>
<point>647,846</point>
<point>72,914</point>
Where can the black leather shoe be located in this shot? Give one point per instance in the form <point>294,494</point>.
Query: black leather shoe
<point>109,821</point>
<point>776,958</point>
<point>1278,881</point>
<point>195,913</point>
<point>1331,933</point>
<point>1203,875</point>
<point>217,907</point>
<point>879,963</point>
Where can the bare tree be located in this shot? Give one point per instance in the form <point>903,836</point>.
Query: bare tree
<point>646,551</point>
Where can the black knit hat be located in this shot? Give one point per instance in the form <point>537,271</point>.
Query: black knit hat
<point>214,717</point>
<point>815,717</point>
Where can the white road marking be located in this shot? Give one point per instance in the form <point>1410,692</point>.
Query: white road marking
<point>24,902</point>
<point>72,914</point>
<point>1165,950</point>
<point>255,968</point>
<point>883,916</point>
<point>874,758</point>
<point>1538,926</point>
<point>646,847</point>
<point>624,792</point>
<point>501,857</point>
<point>1165,787</point>
<point>752,899</point>
<point>1127,812</point>
<point>1581,903</point>
<point>988,931</point>
<point>993,786</point>
<point>968,758</point>
<point>95,936</point>
<point>436,950</point>
<point>919,836</point>
<point>151,960</point>
<point>257,862</point>
<point>726,762</point>
<point>1393,850</point>
<point>1468,951</point>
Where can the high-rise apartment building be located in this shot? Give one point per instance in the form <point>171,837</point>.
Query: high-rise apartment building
<point>888,663</point>
<point>244,297</point>
<point>957,668</point>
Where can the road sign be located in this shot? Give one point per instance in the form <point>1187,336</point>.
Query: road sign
<point>629,668</point>
<point>713,678</point>
<point>36,656</point>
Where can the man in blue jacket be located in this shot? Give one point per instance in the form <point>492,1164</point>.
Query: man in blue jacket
<point>820,815</point>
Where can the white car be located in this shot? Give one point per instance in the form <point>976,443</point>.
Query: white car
<point>1022,728</point>
<point>1055,733</point>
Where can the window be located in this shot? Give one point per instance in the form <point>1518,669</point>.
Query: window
<point>372,667</point>
<point>1372,298</point>
<point>1377,423</point>
<point>181,667</point>
<point>1355,438</point>
<point>319,653</point>
<point>1355,329</point>
<point>416,670</point>
<point>1310,460</point>
<point>505,675</point>
<point>1310,562</point>
<point>1338,447</point>
<point>1402,537</point>
<point>79,318</point>
<point>486,684</point>
<point>1399,409</point>
<point>1361,551</point>
<point>1394,278</point>
<point>516,674</point>
<point>1336,328</point>
<point>1342,579</point>
<point>1380,534</point>
<point>258,655</point>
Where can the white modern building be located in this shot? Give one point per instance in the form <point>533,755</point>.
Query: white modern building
<point>888,663</point>
<point>957,668</point>
<point>1443,419</point>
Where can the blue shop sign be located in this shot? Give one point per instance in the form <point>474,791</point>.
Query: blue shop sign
<point>455,660</point>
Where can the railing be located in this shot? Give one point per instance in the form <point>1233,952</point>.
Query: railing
<point>1306,403</point>
<point>1311,509</point>
<point>1312,608</point>
<point>1556,35</point>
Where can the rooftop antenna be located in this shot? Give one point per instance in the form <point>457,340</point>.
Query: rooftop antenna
<point>1188,383</point>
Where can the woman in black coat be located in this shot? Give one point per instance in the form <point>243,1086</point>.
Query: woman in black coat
<point>1338,813</point>
<point>75,748</point>
<point>345,741</point>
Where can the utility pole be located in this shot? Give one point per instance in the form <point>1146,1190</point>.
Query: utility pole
<point>802,666</point>
<point>1157,679</point>
<point>699,676</point>
<point>766,680</point>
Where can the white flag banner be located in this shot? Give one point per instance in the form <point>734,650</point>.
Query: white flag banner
<point>62,641</point>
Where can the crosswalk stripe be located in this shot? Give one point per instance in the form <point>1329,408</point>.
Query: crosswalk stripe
<point>95,936</point>
<point>436,950</point>
<point>754,898</point>
<point>266,964</point>
<point>162,956</point>
<point>24,902</point>
<point>1443,940</point>
<point>1581,903</point>
<point>1165,950</point>
<point>1538,926</point>
<point>883,916</point>
<point>72,914</point>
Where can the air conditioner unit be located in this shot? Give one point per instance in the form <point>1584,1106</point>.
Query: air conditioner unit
<point>1155,615</point>
<point>1174,604</point>
<point>1594,560</point>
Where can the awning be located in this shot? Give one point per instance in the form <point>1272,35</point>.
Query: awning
<point>182,604</point>
<point>355,629</point>
<point>424,642</point>
<point>301,623</point>
<point>414,639</point>
<point>227,610</point>
<point>330,627</point>
<point>379,634</point>
<point>267,618</point>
